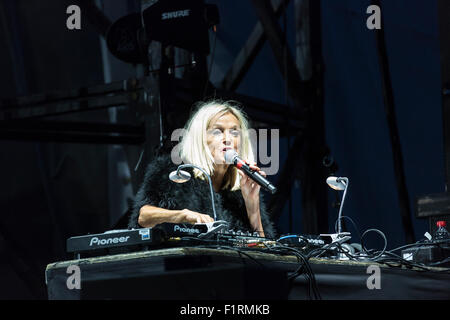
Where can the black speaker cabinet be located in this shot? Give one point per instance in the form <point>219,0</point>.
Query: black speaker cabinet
<point>434,207</point>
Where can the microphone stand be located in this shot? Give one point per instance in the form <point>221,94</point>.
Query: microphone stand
<point>212,227</point>
<point>339,237</point>
<point>345,182</point>
<point>209,180</point>
<point>342,236</point>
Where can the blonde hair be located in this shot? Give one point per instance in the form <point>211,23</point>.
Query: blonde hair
<point>194,148</point>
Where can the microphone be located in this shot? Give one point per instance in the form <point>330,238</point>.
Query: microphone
<point>233,158</point>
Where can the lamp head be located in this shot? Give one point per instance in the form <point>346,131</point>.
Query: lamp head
<point>337,183</point>
<point>180,176</point>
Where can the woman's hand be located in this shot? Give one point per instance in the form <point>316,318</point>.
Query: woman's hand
<point>150,216</point>
<point>250,193</point>
<point>249,188</point>
<point>188,216</point>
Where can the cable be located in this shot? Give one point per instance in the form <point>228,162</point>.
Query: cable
<point>289,236</point>
<point>382,257</point>
<point>422,243</point>
<point>393,260</point>
<point>441,262</point>
<point>309,275</point>
<point>242,251</point>
<point>353,223</point>
<point>217,245</point>
<point>401,262</point>
<point>385,242</point>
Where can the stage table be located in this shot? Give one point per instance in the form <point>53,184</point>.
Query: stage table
<point>193,273</point>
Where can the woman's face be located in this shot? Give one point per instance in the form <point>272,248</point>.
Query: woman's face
<point>223,133</point>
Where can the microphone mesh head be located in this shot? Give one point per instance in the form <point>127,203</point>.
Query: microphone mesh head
<point>230,154</point>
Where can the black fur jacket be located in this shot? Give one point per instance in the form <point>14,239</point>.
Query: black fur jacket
<point>159,191</point>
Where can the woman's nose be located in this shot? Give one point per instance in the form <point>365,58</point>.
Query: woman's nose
<point>227,138</point>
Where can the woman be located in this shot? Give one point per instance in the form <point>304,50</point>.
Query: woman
<point>215,127</point>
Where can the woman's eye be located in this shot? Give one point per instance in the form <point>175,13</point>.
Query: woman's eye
<point>235,133</point>
<point>216,132</point>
